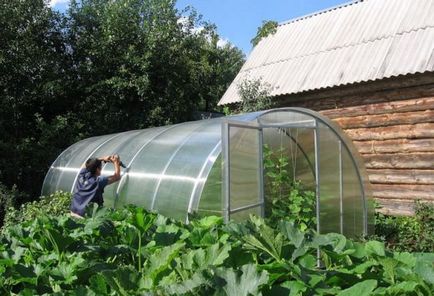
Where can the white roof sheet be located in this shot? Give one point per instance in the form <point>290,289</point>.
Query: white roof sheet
<point>358,41</point>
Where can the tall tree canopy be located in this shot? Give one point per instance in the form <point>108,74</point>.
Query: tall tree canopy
<point>102,66</point>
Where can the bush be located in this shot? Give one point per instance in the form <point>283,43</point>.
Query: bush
<point>5,202</point>
<point>8,199</point>
<point>411,234</point>
<point>56,204</point>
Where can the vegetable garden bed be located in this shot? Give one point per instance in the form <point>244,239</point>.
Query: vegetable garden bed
<point>132,252</point>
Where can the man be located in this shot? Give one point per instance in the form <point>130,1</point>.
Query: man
<point>90,184</point>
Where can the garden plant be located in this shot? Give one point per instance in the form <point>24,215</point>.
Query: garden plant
<point>133,252</point>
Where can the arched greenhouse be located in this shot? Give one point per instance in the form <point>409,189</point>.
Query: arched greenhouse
<point>215,167</point>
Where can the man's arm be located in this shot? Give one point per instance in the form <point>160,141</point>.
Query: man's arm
<point>117,175</point>
<point>105,159</point>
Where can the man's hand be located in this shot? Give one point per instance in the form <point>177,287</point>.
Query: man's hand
<point>106,158</point>
<point>115,158</point>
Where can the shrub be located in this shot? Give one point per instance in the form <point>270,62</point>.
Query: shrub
<point>411,234</point>
<point>56,204</point>
<point>8,199</point>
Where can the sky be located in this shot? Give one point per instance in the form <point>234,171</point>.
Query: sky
<point>237,21</point>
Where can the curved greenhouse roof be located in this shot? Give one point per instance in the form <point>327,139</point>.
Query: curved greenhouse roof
<point>215,166</point>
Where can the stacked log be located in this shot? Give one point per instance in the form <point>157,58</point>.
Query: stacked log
<point>396,140</point>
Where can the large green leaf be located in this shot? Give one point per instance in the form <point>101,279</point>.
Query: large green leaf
<point>124,281</point>
<point>142,220</point>
<point>389,266</point>
<point>292,233</point>
<point>375,248</point>
<point>190,285</point>
<point>403,288</point>
<point>425,267</point>
<point>406,258</point>
<point>296,288</point>
<point>167,234</point>
<point>244,284</point>
<point>363,267</point>
<point>202,237</point>
<point>207,222</point>
<point>265,239</point>
<point>160,261</point>
<point>23,274</point>
<point>98,284</point>
<point>363,288</point>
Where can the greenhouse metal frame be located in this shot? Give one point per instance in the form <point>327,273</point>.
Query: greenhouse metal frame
<point>215,166</point>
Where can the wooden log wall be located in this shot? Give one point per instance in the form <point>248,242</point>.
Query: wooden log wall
<point>394,133</point>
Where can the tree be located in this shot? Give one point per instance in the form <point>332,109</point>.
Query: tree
<point>102,67</point>
<point>267,28</point>
<point>145,63</point>
<point>32,64</point>
<point>255,95</point>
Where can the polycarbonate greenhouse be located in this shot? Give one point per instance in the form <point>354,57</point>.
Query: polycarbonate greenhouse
<point>215,167</point>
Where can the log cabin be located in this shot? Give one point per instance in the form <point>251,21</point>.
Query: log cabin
<point>369,66</point>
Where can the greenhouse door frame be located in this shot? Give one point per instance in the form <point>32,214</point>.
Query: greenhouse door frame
<point>226,141</point>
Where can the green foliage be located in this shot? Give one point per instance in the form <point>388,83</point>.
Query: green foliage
<point>7,198</point>
<point>132,252</point>
<point>408,233</point>
<point>226,111</point>
<point>286,199</point>
<point>267,28</point>
<point>100,67</point>
<point>255,95</point>
<point>55,204</point>
<point>31,65</point>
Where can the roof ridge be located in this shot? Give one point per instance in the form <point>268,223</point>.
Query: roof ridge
<point>309,15</point>
<point>340,47</point>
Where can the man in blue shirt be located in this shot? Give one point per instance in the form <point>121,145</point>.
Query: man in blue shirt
<point>90,184</point>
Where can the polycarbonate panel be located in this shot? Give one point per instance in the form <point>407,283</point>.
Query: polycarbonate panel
<point>282,118</point>
<point>64,170</point>
<point>329,177</point>
<point>213,160</point>
<point>114,146</point>
<point>149,168</point>
<point>244,167</point>
<point>244,215</point>
<point>352,198</point>
<point>305,157</point>
<point>195,151</point>
<point>128,150</point>
<point>211,197</point>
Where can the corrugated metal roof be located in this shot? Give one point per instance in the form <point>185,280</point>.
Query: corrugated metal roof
<point>358,41</point>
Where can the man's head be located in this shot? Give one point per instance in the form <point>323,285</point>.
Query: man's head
<point>94,165</point>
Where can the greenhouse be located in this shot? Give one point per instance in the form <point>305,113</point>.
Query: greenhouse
<point>216,167</point>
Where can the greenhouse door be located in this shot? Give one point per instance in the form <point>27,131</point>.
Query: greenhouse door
<point>243,189</point>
